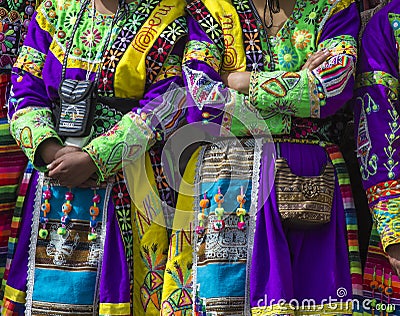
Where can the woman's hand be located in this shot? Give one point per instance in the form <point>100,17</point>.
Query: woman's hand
<point>239,81</point>
<point>48,150</point>
<point>393,252</point>
<point>316,59</point>
<point>66,150</point>
<point>73,169</point>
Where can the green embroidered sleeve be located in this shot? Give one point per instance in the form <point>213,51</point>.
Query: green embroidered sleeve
<point>127,140</point>
<point>279,95</point>
<point>30,127</point>
<point>241,119</point>
<point>387,218</point>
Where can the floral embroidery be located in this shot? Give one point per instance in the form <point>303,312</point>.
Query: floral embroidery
<point>115,56</point>
<point>8,37</point>
<point>14,20</point>
<point>209,25</point>
<point>120,195</point>
<point>251,36</point>
<point>70,19</point>
<point>122,203</point>
<point>301,38</point>
<point>161,49</point>
<point>171,67</point>
<point>124,38</point>
<point>288,58</point>
<point>91,37</point>
<point>252,41</point>
<point>312,17</point>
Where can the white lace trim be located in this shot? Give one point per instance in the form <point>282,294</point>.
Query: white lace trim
<point>252,218</point>
<point>32,245</point>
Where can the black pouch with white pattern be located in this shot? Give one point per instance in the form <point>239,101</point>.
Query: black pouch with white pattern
<point>76,107</point>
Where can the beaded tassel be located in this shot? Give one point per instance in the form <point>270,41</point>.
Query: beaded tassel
<point>204,203</point>
<point>219,224</point>
<point>66,209</point>
<point>240,211</point>
<point>374,286</point>
<point>94,212</point>
<point>389,292</point>
<point>43,232</point>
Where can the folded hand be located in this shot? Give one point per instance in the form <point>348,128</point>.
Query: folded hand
<point>73,169</point>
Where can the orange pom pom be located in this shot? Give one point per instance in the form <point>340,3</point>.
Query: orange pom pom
<point>219,198</point>
<point>241,199</point>
<point>204,203</point>
<point>94,211</point>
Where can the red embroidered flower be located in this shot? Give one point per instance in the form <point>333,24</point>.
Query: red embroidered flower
<point>120,194</point>
<point>105,82</point>
<point>249,21</point>
<point>160,50</point>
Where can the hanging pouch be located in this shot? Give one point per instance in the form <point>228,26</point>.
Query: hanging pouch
<point>77,98</point>
<point>303,201</point>
<point>77,106</point>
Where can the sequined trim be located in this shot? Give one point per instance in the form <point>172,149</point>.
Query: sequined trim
<point>383,190</point>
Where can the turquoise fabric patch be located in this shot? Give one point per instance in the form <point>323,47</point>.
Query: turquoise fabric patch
<point>228,280</point>
<point>57,286</point>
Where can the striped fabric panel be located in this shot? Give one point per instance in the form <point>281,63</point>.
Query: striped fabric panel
<point>351,223</point>
<point>12,164</point>
<point>335,73</point>
<point>15,223</point>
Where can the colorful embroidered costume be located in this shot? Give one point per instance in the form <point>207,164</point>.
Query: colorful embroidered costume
<point>86,251</point>
<point>378,131</point>
<point>245,260</point>
<point>14,19</point>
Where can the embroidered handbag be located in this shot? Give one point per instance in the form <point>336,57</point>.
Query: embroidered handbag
<point>304,202</point>
<point>77,105</point>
